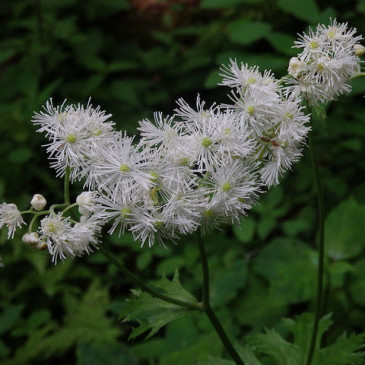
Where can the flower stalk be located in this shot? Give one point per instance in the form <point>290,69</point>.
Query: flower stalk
<point>209,310</point>
<point>320,240</point>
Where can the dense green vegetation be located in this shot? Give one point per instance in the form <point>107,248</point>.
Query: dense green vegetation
<point>134,58</point>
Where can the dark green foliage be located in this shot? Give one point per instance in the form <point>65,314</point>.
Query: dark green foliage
<point>346,350</point>
<point>153,313</point>
<point>134,62</point>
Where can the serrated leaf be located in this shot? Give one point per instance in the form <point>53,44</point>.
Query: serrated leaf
<point>345,231</point>
<point>246,32</point>
<point>273,345</point>
<point>344,351</point>
<point>152,313</point>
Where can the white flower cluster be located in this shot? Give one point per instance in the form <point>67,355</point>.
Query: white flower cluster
<point>199,168</point>
<point>329,59</point>
<point>274,119</point>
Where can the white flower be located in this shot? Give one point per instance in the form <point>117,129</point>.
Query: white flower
<point>64,240</point>
<point>121,167</point>
<point>149,224</point>
<point>56,232</point>
<point>85,235</point>
<point>233,187</point>
<point>248,79</point>
<point>10,217</point>
<point>38,202</point>
<point>73,132</point>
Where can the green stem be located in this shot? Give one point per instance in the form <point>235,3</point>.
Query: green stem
<point>320,238</point>
<point>67,185</point>
<point>145,287</point>
<point>360,74</point>
<point>208,309</point>
<point>69,207</point>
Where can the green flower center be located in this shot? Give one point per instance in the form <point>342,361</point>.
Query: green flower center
<point>158,224</point>
<point>71,138</point>
<point>124,212</point>
<point>251,80</point>
<point>250,109</point>
<point>226,187</point>
<point>206,142</point>
<point>184,161</point>
<point>331,34</point>
<point>154,176</point>
<point>208,214</point>
<point>289,115</point>
<point>313,44</point>
<point>124,168</point>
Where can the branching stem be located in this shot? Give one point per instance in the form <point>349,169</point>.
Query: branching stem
<point>113,259</point>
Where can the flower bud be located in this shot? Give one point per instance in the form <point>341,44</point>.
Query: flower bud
<point>38,202</point>
<point>86,202</point>
<point>295,66</point>
<point>41,245</point>
<point>31,238</point>
<point>359,49</point>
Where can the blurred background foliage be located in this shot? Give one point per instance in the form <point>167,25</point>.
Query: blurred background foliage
<point>133,58</point>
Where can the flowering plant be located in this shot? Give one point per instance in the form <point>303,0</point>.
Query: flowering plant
<point>190,172</point>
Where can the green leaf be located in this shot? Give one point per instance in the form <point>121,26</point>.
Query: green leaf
<point>345,231</point>
<point>213,79</point>
<point>170,265</point>
<point>226,285</point>
<point>282,42</point>
<point>356,285</point>
<point>344,350</point>
<point>20,155</point>
<point>152,313</point>
<point>246,32</point>
<point>245,231</point>
<point>215,361</point>
<point>290,267</point>
<point>306,10</point>
<point>253,309</point>
<point>9,317</point>
<point>111,354</point>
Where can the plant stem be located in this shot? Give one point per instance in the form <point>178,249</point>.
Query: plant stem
<point>320,238</point>
<point>208,309</point>
<point>113,259</point>
<point>67,185</point>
